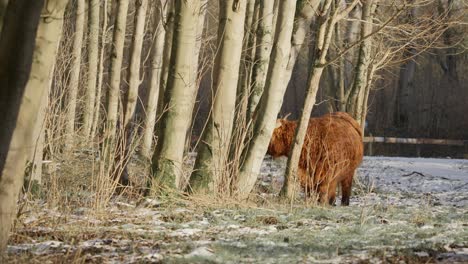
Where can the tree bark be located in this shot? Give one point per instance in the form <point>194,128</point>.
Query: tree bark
<point>270,102</point>
<point>262,54</point>
<point>93,60</point>
<point>97,104</point>
<point>155,78</point>
<point>179,95</point>
<point>74,76</point>
<point>113,93</point>
<point>134,79</point>
<point>211,163</point>
<point>19,99</point>
<point>357,95</point>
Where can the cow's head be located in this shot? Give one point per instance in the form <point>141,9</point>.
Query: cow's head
<point>281,139</point>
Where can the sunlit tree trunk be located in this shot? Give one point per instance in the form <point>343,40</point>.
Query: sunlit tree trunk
<point>301,28</point>
<point>330,14</point>
<point>134,79</point>
<point>212,157</point>
<point>93,60</point>
<point>358,90</point>
<point>113,93</point>
<point>248,54</point>
<point>131,95</point>
<point>97,104</point>
<point>270,102</point>
<point>262,54</point>
<point>20,99</point>
<point>155,78</point>
<point>179,95</point>
<point>74,76</point>
<point>166,64</point>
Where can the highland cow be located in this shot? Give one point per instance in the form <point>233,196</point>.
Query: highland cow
<point>331,153</point>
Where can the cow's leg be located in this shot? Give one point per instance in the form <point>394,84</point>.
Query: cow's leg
<point>323,194</point>
<point>332,192</point>
<point>346,184</point>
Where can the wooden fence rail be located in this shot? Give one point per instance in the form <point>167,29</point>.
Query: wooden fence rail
<point>417,141</point>
<point>426,141</point>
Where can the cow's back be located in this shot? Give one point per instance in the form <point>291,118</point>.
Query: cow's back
<point>333,147</point>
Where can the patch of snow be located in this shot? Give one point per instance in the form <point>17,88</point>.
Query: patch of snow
<point>205,252</point>
<point>185,232</point>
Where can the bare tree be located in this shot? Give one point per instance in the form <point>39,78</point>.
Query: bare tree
<point>134,78</point>
<point>160,16</point>
<point>179,97</point>
<point>213,154</point>
<point>97,104</point>
<point>113,93</point>
<point>74,75</point>
<point>93,61</point>
<point>20,99</point>
<point>262,54</point>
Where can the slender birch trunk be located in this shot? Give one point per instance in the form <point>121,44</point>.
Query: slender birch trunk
<point>262,54</point>
<point>357,95</point>
<point>20,99</point>
<point>74,76</point>
<point>168,157</point>
<point>113,93</point>
<point>248,54</point>
<point>155,78</point>
<point>271,101</point>
<point>330,14</point>
<point>134,79</point>
<point>131,95</point>
<point>93,60</point>
<point>166,63</point>
<point>301,28</point>
<point>97,104</point>
<point>213,154</point>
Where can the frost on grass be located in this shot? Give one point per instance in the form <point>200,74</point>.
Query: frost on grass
<point>402,210</point>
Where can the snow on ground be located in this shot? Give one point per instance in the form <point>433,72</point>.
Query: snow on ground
<point>443,181</point>
<point>403,210</point>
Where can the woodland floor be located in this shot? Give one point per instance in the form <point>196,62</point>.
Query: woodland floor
<point>402,211</point>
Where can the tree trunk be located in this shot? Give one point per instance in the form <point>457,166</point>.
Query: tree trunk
<point>93,60</point>
<point>262,54</point>
<point>179,95</point>
<point>134,80</point>
<point>19,99</point>
<point>97,104</point>
<point>155,79</point>
<point>357,95</point>
<point>211,163</point>
<point>329,15</point>
<point>270,102</point>
<point>74,76</point>
<point>166,64</point>
<point>113,93</point>
<point>301,28</point>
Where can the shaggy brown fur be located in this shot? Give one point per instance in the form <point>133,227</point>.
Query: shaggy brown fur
<point>331,153</point>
